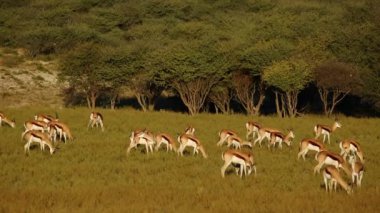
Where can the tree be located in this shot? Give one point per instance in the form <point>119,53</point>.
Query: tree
<point>289,77</point>
<point>246,87</point>
<point>191,69</point>
<point>220,96</point>
<point>335,80</point>
<point>83,68</point>
<point>145,89</point>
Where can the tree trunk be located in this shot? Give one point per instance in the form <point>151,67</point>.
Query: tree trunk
<point>278,109</point>
<point>91,99</point>
<point>141,99</point>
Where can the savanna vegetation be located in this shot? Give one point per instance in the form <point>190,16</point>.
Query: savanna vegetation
<point>201,51</point>
<point>93,173</point>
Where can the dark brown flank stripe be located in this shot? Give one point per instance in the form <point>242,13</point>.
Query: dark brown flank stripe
<point>236,138</point>
<point>167,138</point>
<point>240,156</point>
<point>335,157</point>
<point>193,139</point>
<point>324,127</point>
<point>229,132</point>
<point>100,115</point>
<point>37,136</point>
<point>35,123</point>
<point>327,171</point>
<point>355,145</point>
<point>315,143</point>
<point>278,134</point>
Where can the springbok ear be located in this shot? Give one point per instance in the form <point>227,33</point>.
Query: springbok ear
<point>14,120</point>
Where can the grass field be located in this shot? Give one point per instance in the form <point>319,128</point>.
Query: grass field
<point>93,174</point>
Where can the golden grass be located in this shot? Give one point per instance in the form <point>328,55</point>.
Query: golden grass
<point>93,174</point>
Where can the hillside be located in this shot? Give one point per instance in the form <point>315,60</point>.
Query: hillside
<point>27,82</point>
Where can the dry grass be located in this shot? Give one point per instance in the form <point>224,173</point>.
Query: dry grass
<point>93,174</point>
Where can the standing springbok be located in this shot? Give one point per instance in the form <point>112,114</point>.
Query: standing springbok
<point>329,158</point>
<point>167,140</point>
<point>325,130</point>
<point>37,137</point>
<point>142,137</point>
<point>357,169</point>
<point>349,145</point>
<point>331,177</point>
<point>252,128</point>
<point>4,119</point>
<point>237,142</point>
<point>278,137</point>
<point>242,160</point>
<point>96,119</point>
<point>224,134</point>
<point>46,118</point>
<point>308,144</point>
<point>189,140</point>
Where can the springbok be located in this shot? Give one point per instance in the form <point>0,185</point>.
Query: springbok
<point>96,119</point>
<point>37,137</point>
<point>46,118</point>
<point>190,130</point>
<point>167,140</point>
<point>325,130</point>
<point>189,140</point>
<point>357,169</point>
<point>252,128</point>
<point>242,160</point>
<point>36,125</point>
<point>329,158</point>
<point>224,134</point>
<point>331,177</point>
<point>61,129</point>
<point>278,137</point>
<point>310,144</point>
<point>142,137</point>
<point>349,145</point>
<point>237,142</point>
<point>3,118</point>
<point>264,133</point>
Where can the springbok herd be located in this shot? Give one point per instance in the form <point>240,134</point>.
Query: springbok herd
<point>45,129</point>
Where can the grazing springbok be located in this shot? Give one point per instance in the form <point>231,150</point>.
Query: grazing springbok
<point>3,118</point>
<point>349,145</point>
<point>279,137</point>
<point>325,130</point>
<point>36,125</point>
<point>190,140</point>
<point>224,134</point>
<point>37,137</point>
<point>46,118</point>
<point>141,137</point>
<point>96,119</point>
<point>357,169</point>
<point>61,129</point>
<point>264,133</point>
<point>167,140</point>
<point>252,128</point>
<point>237,142</point>
<point>325,157</point>
<point>243,160</point>
<point>331,177</point>
<point>310,144</point>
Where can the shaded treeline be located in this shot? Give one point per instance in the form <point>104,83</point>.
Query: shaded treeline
<point>207,53</point>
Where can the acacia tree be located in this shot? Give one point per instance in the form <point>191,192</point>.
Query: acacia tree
<point>83,68</point>
<point>289,77</point>
<point>335,80</point>
<point>145,89</point>
<point>191,69</point>
<point>246,87</point>
<point>220,96</point>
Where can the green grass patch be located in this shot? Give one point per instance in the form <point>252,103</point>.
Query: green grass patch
<point>93,173</point>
